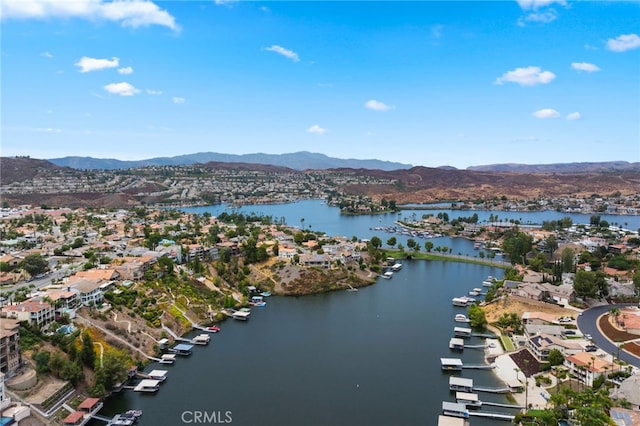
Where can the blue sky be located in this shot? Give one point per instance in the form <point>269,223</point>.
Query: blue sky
<point>424,83</point>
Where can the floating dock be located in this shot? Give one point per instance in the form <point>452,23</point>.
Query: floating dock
<point>160,375</point>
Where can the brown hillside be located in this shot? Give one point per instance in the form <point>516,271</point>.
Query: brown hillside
<point>421,184</point>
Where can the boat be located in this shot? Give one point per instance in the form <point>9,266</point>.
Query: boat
<point>257,301</point>
<point>474,293</point>
<point>477,289</point>
<point>462,318</point>
<point>134,413</point>
<point>214,328</point>
<point>387,275</point>
<point>265,294</point>
<point>396,267</point>
<point>122,420</point>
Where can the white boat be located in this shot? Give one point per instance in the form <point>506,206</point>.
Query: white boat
<point>462,318</point>
<point>474,293</point>
<point>387,275</point>
<point>396,267</point>
<point>477,289</point>
<point>201,339</point>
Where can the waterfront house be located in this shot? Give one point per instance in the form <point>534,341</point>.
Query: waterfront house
<point>587,367</point>
<point>541,344</point>
<point>317,260</point>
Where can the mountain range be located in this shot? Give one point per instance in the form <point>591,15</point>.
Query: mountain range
<point>305,160</point>
<point>302,160</point>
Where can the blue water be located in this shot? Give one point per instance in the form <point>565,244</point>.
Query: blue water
<point>370,357</point>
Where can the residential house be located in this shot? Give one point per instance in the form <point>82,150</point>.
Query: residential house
<point>36,313</point>
<point>628,390</point>
<point>10,356</point>
<point>315,260</point>
<point>90,291</point>
<point>532,291</point>
<point>286,252</point>
<point>587,367</point>
<point>541,344</point>
<point>562,294</point>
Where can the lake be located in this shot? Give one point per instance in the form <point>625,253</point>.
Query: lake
<point>370,357</point>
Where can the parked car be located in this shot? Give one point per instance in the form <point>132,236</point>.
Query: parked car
<point>591,348</point>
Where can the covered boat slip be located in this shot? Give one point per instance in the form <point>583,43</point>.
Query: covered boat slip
<point>469,399</point>
<point>460,384</point>
<point>147,385</point>
<point>456,343</point>
<point>462,331</point>
<point>454,409</point>
<point>451,364</point>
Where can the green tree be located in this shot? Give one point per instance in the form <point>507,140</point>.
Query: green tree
<point>34,264</point>
<point>392,241</point>
<point>517,244</point>
<point>477,317</point>
<point>584,283</point>
<point>88,352</point>
<point>428,246</point>
<point>555,357</point>
<point>567,260</point>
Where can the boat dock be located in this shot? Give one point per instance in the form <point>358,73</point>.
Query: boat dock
<point>182,349</point>
<point>457,383</point>
<point>101,418</point>
<point>497,416</point>
<point>462,332</point>
<point>201,339</point>
<point>451,364</point>
<point>147,385</point>
<point>468,399</point>
<point>456,343</point>
<point>167,359</point>
<point>497,404</point>
<point>454,409</point>
<point>455,364</point>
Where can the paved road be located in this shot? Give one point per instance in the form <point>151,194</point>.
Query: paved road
<point>588,324</point>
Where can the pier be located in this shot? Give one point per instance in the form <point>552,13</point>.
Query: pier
<point>497,416</point>
<point>491,390</point>
<point>101,418</point>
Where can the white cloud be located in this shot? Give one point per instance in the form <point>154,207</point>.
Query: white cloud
<point>46,55</point>
<point>125,70</point>
<point>546,113</point>
<point>623,42</point>
<point>122,89</point>
<point>178,100</point>
<point>87,64</point>
<point>536,4</point>
<point>574,116</point>
<point>284,52</point>
<point>48,130</point>
<point>436,31</point>
<point>154,92</point>
<point>132,13</point>
<point>585,66</point>
<point>376,105</point>
<point>527,76</point>
<point>317,130</point>
<point>544,17</point>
